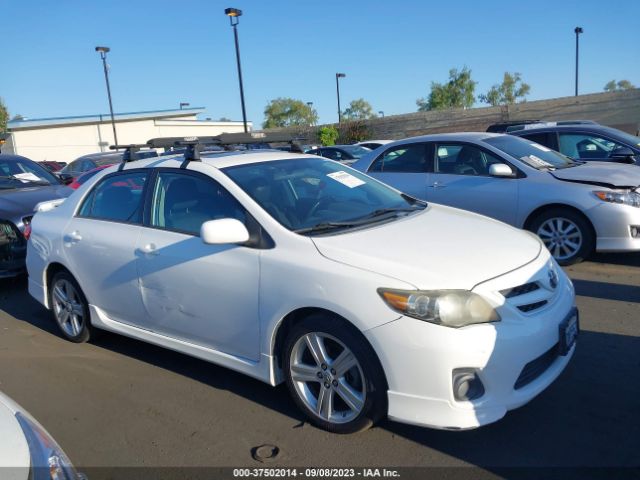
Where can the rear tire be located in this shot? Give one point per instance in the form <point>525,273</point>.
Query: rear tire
<point>333,375</point>
<point>567,234</point>
<point>70,308</point>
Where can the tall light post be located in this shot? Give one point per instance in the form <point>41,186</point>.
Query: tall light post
<point>381,113</point>
<point>234,15</point>
<point>184,104</point>
<point>338,77</point>
<point>578,31</point>
<point>103,55</point>
<point>310,105</point>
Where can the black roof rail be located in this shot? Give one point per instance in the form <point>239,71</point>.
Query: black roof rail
<point>195,144</point>
<point>131,151</point>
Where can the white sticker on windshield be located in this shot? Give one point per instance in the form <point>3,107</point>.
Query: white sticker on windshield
<point>535,161</point>
<point>540,147</point>
<point>27,177</point>
<point>346,179</point>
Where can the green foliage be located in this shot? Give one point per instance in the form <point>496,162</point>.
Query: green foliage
<point>288,112</point>
<point>354,131</point>
<point>613,86</point>
<point>458,92</point>
<point>359,109</point>
<point>508,92</point>
<point>328,135</point>
<point>4,116</point>
<point>224,119</point>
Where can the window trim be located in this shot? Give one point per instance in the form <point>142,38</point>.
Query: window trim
<point>518,173</point>
<point>117,173</point>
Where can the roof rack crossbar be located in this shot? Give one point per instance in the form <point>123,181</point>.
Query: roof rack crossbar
<point>130,151</point>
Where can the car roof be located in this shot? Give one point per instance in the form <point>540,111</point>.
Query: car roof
<point>9,157</point>
<point>453,137</point>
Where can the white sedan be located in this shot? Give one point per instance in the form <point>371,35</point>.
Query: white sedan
<point>27,451</point>
<point>289,267</point>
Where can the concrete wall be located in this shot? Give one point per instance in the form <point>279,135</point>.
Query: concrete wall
<point>616,109</point>
<point>68,142</point>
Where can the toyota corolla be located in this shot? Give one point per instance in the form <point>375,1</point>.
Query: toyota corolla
<point>293,268</point>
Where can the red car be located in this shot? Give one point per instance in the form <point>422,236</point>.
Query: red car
<point>87,175</point>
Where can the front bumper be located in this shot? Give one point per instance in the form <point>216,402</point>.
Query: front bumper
<point>419,357</point>
<point>613,224</point>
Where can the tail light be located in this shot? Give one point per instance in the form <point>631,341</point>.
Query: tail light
<point>27,231</point>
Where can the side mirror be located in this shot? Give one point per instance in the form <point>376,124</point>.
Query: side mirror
<point>623,154</point>
<point>65,178</point>
<point>500,170</point>
<point>223,231</point>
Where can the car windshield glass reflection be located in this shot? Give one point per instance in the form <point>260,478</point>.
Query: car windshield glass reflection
<point>17,174</point>
<point>533,154</point>
<point>317,196</point>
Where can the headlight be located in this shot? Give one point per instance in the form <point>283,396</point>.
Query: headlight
<point>451,308</point>
<point>623,198</point>
<point>48,461</point>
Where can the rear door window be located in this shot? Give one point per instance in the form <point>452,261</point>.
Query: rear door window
<point>117,197</point>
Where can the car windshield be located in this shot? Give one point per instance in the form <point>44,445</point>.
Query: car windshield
<point>23,173</point>
<point>533,154</point>
<point>356,151</point>
<point>312,196</point>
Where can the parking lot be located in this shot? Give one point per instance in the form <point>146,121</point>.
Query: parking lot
<point>120,402</point>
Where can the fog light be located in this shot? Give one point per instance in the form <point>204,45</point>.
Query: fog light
<point>635,231</point>
<point>466,384</point>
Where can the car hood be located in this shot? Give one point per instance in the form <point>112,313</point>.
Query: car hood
<point>605,174</point>
<point>439,248</point>
<point>19,202</point>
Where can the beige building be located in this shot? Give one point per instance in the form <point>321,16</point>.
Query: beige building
<point>65,139</point>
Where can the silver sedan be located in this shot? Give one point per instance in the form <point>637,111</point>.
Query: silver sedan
<point>575,207</point>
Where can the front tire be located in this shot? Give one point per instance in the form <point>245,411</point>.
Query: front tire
<point>567,234</point>
<point>70,308</point>
<point>333,375</point>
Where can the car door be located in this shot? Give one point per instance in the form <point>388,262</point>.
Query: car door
<point>405,167</point>
<point>99,245</point>
<point>199,293</point>
<point>461,179</point>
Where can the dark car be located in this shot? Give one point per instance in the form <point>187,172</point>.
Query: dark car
<point>53,166</point>
<point>23,184</point>
<point>587,141</point>
<point>92,160</point>
<point>341,153</point>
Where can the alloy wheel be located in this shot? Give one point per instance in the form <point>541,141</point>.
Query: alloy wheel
<point>327,377</point>
<point>561,236</point>
<point>68,308</point>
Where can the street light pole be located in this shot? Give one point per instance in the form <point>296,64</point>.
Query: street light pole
<point>234,15</point>
<point>578,31</point>
<point>338,77</point>
<point>103,55</point>
<point>381,113</point>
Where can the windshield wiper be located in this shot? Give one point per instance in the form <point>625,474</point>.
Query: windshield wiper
<point>326,226</point>
<point>23,181</point>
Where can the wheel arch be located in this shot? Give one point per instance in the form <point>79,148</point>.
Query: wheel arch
<point>283,328</point>
<point>50,271</point>
<point>551,206</point>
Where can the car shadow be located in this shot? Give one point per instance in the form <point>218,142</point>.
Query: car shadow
<point>587,418</point>
<point>630,259</point>
<point>607,290</point>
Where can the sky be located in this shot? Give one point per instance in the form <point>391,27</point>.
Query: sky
<point>164,52</point>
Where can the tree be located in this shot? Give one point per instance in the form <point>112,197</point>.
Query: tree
<point>613,86</point>
<point>4,116</point>
<point>328,135</point>
<point>224,119</point>
<point>288,112</point>
<point>458,92</point>
<point>510,91</point>
<point>359,109</point>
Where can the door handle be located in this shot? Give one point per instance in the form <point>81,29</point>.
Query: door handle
<point>148,249</point>
<point>73,237</point>
<point>438,185</point>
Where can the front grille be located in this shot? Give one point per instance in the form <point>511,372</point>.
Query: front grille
<point>537,367</point>
<point>520,290</point>
<point>529,307</point>
<point>12,242</point>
